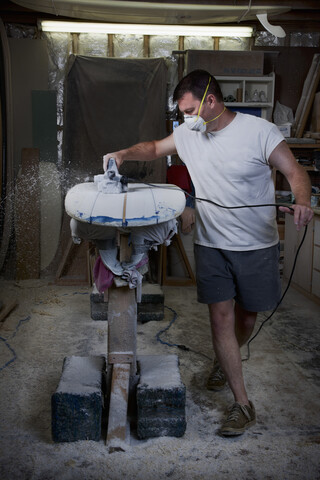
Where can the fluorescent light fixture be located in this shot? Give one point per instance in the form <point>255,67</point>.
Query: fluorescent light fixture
<point>147,29</point>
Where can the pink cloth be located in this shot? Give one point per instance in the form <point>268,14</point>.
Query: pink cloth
<point>103,277</point>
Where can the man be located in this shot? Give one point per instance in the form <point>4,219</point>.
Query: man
<point>230,157</point>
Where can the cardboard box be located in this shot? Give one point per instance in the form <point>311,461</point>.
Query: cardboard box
<point>233,63</point>
<point>285,129</point>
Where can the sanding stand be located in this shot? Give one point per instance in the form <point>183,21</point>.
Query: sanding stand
<point>151,384</point>
<point>147,390</point>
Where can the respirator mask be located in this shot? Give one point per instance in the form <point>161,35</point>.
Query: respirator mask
<point>197,123</point>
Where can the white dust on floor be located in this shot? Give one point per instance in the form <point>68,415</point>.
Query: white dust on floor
<point>54,322</point>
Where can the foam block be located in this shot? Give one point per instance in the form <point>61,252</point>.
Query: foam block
<point>77,402</point>
<point>151,307</point>
<point>98,307</point>
<point>161,397</point>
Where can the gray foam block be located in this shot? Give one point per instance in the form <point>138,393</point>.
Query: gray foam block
<point>161,397</point>
<point>77,402</point>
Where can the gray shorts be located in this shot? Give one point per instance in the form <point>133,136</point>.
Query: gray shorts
<point>251,277</point>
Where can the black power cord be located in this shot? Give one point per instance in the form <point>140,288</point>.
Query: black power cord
<point>183,347</point>
<point>175,315</point>
<point>199,199</point>
<point>282,297</point>
<point>180,346</point>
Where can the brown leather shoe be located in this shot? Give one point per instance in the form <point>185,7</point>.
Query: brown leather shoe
<point>216,380</point>
<point>238,420</point>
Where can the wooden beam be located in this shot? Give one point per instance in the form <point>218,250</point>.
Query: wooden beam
<point>7,309</point>
<point>110,45</point>
<point>146,46</point>
<point>309,89</point>
<point>171,280</point>
<point>308,101</point>
<point>73,268</point>
<point>122,323</point>
<point>122,353</point>
<point>118,407</point>
<point>75,43</point>
<point>181,58</point>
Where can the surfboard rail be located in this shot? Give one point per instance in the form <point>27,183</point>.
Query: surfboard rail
<point>141,205</point>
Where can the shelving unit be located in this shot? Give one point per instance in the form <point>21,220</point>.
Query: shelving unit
<point>242,90</point>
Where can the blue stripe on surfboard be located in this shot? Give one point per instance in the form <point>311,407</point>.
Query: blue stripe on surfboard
<point>102,219</point>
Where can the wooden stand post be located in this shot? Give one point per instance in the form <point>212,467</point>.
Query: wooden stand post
<point>176,281</point>
<point>122,338</point>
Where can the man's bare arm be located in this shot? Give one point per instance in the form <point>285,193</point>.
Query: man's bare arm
<point>144,151</point>
<point>283,160</point>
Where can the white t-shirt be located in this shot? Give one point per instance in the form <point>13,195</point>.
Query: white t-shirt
<point>230,167</point>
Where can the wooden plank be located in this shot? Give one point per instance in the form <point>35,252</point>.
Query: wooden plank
<point>110,45</point>
<point>122,323</point>
<point>7,309</point>
<point>305,91</point>
<point>120,357</point>
<point>73,268</point>
<point>146,45</point>
<point>122,313</point>
<point>125,248</point>
<point>174,280</point>
<point>307,96</point>
<point>27,216</point>
<point>178,240</point>
<point>308,104</point>
<point>315,118</point>
<point>118,407</point>
<point>122,347</point>
<point>65,257</point>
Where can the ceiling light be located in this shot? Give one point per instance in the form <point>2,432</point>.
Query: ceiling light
<point>145,29</point>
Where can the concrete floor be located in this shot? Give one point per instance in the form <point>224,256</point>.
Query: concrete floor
<point>282,377</point>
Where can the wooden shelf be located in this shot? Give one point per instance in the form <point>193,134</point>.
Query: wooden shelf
<point>303,145</point>
<point>311,168</point>
<point>242,87</point>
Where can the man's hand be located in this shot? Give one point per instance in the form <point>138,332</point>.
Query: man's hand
<point>116,155</point>
<point>142,152</point>
<point>188,219</point>
<point>302,214</point>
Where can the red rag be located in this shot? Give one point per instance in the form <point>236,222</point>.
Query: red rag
<point>103,277</point>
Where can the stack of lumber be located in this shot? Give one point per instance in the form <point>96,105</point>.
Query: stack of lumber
<point>309,100</point>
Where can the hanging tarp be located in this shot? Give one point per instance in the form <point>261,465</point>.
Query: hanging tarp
<point>111,104</point>
<point>6,164</point>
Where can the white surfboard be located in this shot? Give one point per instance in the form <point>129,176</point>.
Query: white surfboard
<point>140,205</point>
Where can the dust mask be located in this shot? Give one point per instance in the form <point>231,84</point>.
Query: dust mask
<point>196,123</point>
